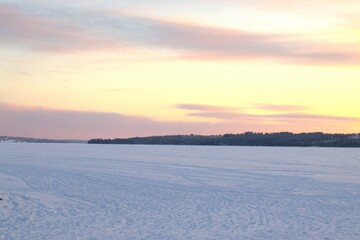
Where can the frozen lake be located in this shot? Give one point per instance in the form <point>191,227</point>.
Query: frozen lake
<point>80,191</point>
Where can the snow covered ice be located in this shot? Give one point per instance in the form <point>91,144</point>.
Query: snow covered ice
<point>80,191</point>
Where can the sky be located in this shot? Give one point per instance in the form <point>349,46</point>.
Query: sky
<point>106,69</point>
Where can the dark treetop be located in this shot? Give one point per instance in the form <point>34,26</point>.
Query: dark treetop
<point>317,139</point>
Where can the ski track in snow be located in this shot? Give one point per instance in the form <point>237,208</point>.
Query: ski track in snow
<point>79,191</point>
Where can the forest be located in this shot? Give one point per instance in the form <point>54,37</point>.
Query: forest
<point>315,139</point>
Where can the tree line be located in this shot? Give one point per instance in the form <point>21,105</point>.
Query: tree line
<point>315,139</point>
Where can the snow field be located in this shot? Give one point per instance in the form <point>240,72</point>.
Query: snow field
<point>79,191</point>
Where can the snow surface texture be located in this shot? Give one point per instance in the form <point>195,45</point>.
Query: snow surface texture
<point>79,191</point>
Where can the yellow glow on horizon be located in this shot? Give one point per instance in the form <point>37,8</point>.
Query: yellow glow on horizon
<point>151,89</point>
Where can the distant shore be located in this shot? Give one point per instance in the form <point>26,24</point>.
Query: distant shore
<point>283,139</point>
<point>8,139</point>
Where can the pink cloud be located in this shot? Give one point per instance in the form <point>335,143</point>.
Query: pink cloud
<point>104,30</point>
<point>231,116</point>
<point>290,114</point>
<point>66,124</point>
<point>304,116</point>
<point>18,27</point>
<point>212,43</point>
<point>204,107</point>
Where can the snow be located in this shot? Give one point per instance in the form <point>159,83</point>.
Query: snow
<point>80,191</point>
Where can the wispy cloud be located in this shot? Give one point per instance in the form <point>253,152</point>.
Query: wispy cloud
<point>289,113</point>
<point>66,124</point>
<point>213,43</point>
<point>21,28</point>
<point>109,30</point>
<point>281,108</point>
<point>204,107</point>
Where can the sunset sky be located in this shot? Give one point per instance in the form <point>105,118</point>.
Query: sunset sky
<point>87,69</point>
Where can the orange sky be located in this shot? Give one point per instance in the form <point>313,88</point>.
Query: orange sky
<point>118,69</point>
